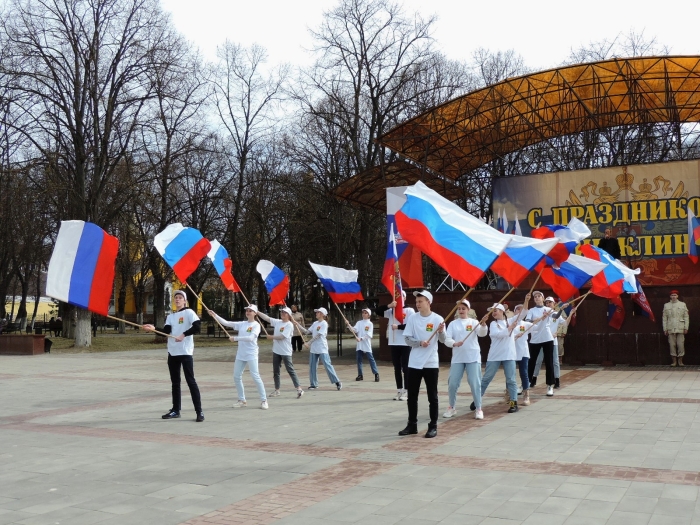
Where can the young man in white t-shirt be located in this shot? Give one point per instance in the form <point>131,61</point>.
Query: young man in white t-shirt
<point>423,363</point>
<point>182,324</point>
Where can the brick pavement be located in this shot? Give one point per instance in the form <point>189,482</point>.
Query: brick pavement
<point>95,451</point>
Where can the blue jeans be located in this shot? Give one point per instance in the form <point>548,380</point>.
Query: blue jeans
<point>313,367</point>
<point>522,368</point>
<point>473,371</point>
<point>508,370</point>
<point>555,361</point>
<point>238,368</point>
<point>371,360</point>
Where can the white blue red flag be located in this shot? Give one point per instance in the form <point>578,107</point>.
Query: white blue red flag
<point>516,226</point>
<point>341,284</point>
<point>222,264</point>
<point>571,275</point>
<point>410,257</point>
<point>630,283</point>
<point>520,256</point>
<point>569,238</point>
<point>391,277</point>
<point>276,281</point>
<point>608,283</point>
<point>693,236</point>
<point>182,248</point>
<point>460,243</point>
<point>81,270</point>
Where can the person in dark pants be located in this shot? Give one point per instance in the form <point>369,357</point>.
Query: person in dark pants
<point>182,324</point>
<point>298,321</point>
<point>541,339</point>
<point>399,350</point>
<point>423,363</point>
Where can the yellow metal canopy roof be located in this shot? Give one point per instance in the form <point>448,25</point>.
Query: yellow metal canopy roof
<point>472,130</point>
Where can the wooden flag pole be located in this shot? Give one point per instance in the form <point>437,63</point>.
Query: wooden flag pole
<point>207,308</point>
<point>138,326</point>
<point>346,321</point>
<point>536,281</point>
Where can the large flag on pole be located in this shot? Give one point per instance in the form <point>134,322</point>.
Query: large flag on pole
<point>182,248</point>
<point>569,238</point>
<point>81,270</point>
<point>222,263</point>
<point>410,258</point>
<point>391,277</point>
<point>341,284</point>
<point>641,299</point>
<point>520,256</point>
<point>693,236</point>
<point>460,243</point>
<point>608,283</point>
<point>276,281</point>
<point>571,275</point>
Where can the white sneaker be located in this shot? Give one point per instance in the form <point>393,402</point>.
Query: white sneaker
<point>450,412</point>
<point>404,395</point>
<point>479,414</point>
<point>520,390</point>
<point>276,393</point>
<point>241,404</point>
<point>398,395</point>
<point>264,405</point>
<point>550,390</point>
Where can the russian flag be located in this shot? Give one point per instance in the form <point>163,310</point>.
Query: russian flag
<point>569,238</point>
<point>516,226</point>
<point>341,284</point>
<point>608,283</point>
<point>520,256</point>
<point>182,248</point>
<point>391,276</point>
<point>571,275</point>
<point>460,243</point>
<point>276,281</point>
<point>81,270</point>
<point>222,263</point>
<point>410,258</point>
<point>629,285</point>
<point>693,236</point>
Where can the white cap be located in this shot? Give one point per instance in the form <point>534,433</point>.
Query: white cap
<point>465,302</point>
<point>426,294</point>
<point>497,306</point>
<point>537,293</point>
<point>252,307</point>
<point>550,298</point>
<point>322,310</point>
<point>180,292</point>
<point>286,310</point>
<point>367,310</point>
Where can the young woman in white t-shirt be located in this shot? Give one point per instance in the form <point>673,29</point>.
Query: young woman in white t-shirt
<point>318,350</point>
<point>282,348</point>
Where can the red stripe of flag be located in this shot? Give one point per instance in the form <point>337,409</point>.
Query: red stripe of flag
<point>103,281</point>
<point>189,262</point>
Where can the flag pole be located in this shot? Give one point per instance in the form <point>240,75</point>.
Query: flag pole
<point>137,325</point>
<point>536,281</point>
<point>346,320</point>
<point>207,308</point>
<point>393,296</point>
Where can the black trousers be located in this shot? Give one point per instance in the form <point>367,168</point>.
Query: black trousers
<point>187,363</point>
<point>535,349</point>
<point>399,357</point>
<point>413,380</point>
<point>297,343</point>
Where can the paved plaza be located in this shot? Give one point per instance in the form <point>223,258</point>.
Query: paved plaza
<point>82,442</point>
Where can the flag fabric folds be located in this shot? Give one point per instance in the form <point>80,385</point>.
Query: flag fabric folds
<point>608,283</point>
<point>182,248</point>
<point>569,237</point>
<point>630,283</point>
<point>81,270</point>
<point>276,281</point>
<point>571,275</point>
<point>410,257</point>
<point>520,256</point>
<point>341,284</point>
<point>516,226</point>
<point>460,243</point>
<point>641,299</point>
<point>616,312</point>
<point>391,277</point>
<point>693,236</point>
<point>222,263</point>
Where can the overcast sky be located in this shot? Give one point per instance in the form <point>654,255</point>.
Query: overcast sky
<point>542,31</point>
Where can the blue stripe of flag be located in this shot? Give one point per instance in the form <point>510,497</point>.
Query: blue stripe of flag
<point>525,256</point>
<point>85,263</point>
<point>339,287</point>
<point>274,278</point>
<point>181,245</point>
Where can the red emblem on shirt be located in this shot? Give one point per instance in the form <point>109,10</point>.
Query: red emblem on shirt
<point>429,327</point>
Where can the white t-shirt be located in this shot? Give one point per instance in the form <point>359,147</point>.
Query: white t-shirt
<point>421,328</point>
<point>319,334</point>
<point>364,330</point>
<point>247,338</point>
<point>395,337</point>
<point>179,323</point>
<point>285,329</point>
<point>469,352</point>
<point>556,323</point>
<point>521,347</point>
<point>542,332</point>
<point>502,344</point>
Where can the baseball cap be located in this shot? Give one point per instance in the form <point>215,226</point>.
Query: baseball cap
<point>367,310</point>
<point>674,292</point>
<point>465,302</point>
<point>426,294</point>
<point>286,310</point>
<point>180,292</point>
<point>537,293</point>
<point>322,310</point>
<point>550,298</point>
<point>252,307</point>
<point>497,306</point>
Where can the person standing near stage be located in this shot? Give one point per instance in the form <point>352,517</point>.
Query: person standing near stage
<point>282,348</point>
<point>247,354</point>
<point>399,350</point>
<point>423,363</point>
<point>182,325</point>
<point>541,340</point>
<point>675,323</point>
<point>610,244</point>
<point>466,357</point>
<point>318,350</point>
<point>363,331</point>
<point>298,321</point>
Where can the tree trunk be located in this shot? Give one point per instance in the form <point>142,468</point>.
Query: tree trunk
<point>83,328</point>
<point>121,304</point>
<point>37,297</point>
<point>68,318</point>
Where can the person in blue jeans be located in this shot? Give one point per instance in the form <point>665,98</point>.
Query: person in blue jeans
<point>522,350</point>
<point>363,331</point>
<point>501,353</point>
<point>318,350</point>
<point>466,357</point>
